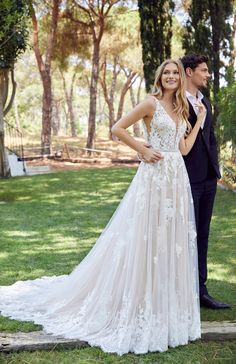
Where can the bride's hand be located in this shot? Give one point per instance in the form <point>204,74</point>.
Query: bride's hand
<point>140,156</point>
<point>149,155</point>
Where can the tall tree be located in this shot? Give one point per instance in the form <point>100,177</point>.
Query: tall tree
<point>121,60</point>
<point>135,101</point>
<point>69,101</point>
<point>156,34</point>
<point>234,35</point>
<point>13,41</point>
<point>72,49</point>
<point>209,32</point>
<point>92,15</point>
<point>44,66</point>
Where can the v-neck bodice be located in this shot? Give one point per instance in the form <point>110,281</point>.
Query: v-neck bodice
<point>164,134</point>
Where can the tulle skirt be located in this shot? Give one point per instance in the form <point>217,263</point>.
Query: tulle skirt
<point>137,289</point>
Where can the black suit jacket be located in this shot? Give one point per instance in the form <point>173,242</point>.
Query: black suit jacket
<point>202,160</point>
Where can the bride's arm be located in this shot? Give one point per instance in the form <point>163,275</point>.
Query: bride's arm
<point>143,110</point>
<point>186,144</point>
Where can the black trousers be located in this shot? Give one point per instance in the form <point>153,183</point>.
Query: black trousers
<point>203,198</point>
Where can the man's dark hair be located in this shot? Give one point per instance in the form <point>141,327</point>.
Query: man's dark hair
<point>193,60</point>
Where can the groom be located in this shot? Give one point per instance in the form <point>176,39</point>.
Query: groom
<point>202,166</point>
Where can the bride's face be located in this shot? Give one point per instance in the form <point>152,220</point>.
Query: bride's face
<point>170,78</point>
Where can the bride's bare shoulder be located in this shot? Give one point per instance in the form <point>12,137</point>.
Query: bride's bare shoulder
<point>149,103</point>
<point>150,99</point>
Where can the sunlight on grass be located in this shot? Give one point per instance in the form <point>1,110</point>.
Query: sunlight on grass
<point>4,255</point>
<point>18,233</point>
<point>220,272</point>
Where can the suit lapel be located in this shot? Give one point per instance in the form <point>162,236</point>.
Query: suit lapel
<point>207,114</point>
<point>192,114</point>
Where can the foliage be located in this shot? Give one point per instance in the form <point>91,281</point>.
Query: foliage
<point>199,27</point>
<point>176,41</point>
<point>121,60</point>
<point>228,112</point>
<point>93,18</point>
<point>72,40</point>
<point>122,39</point>
<point>156,34</point>
<point>208,31</point>
<point>72,53</point>
<point>13,31</point>
<point>227,116</point>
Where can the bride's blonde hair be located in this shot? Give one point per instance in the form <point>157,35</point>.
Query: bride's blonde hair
<point>180,101</point>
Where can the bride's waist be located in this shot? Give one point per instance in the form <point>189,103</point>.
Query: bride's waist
<point>167,150</point>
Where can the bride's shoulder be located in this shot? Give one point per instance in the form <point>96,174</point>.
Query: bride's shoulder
<point>147,106</point>
<point>150,102</point>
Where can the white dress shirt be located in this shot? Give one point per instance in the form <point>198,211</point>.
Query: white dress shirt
<point>193,101</point>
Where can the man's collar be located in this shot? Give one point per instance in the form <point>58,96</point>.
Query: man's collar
<point>199,95</point>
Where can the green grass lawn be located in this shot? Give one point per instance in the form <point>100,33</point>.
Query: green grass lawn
<point>48,223</point>
<point>194,353</point>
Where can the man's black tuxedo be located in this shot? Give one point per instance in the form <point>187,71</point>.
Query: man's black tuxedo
<point>203,170</point>
<point>202,160</point>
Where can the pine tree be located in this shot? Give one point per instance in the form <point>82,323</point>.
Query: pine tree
<point>156,34</point>
<point>209,32</point>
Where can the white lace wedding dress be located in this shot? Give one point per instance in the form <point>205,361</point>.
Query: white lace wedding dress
<point>137,289</point>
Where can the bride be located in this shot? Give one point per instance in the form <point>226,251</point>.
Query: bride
<point>137,289</point>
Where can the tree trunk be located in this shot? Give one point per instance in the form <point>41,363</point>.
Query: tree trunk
<point>234,41</point>
<point>125,88</point>
<point>136,126</point>
<point>16,114</point>
<point>45,73</point>
<point>4,164</point>
<point>110,102</point>
<point>72,119</point>
<point>139,90</point>
<point>109,98</point>
<point>233,154</point>
<point>69,101</point>
<point>55,117</point>
<point>66,117</point>
<point>93,95</point>
<point>111,114</point>
<point>47,113</point>
<point>71,109</point>
<point>112,92</point>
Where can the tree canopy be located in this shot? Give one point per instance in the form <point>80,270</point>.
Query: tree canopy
<point>13,31</point>
<point>156,34</point>
<point>208,31</point>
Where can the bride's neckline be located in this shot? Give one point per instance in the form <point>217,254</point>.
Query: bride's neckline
<point>176,122</point>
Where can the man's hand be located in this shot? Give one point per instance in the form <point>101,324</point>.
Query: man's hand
<point>201,111</point>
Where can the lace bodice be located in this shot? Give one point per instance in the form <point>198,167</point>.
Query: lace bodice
<point>164,134</point>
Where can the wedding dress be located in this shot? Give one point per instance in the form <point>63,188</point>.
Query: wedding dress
<point>137,289</point>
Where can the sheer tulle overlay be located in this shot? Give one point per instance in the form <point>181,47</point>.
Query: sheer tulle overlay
<point>137,289</point>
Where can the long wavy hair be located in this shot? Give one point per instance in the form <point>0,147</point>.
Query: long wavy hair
<point>181,107</point>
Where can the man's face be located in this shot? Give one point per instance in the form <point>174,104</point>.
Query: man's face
<point>199,76</point>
